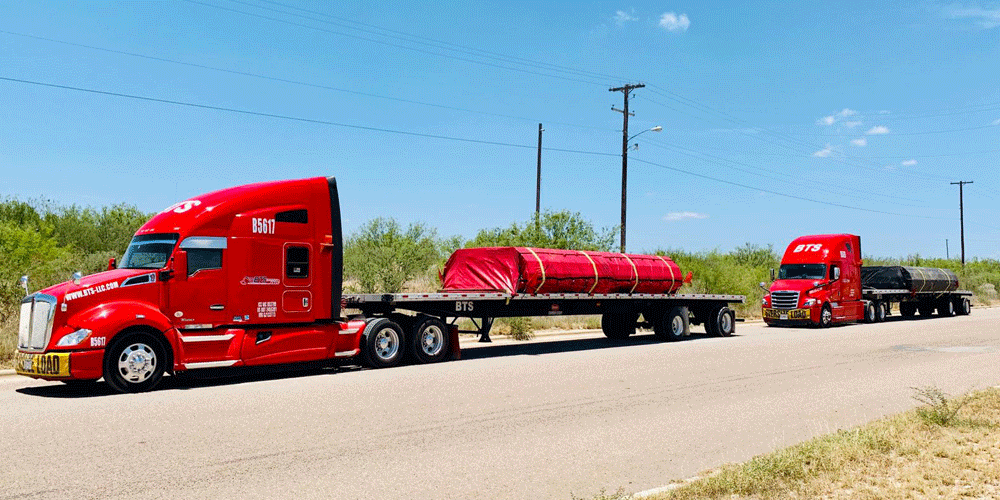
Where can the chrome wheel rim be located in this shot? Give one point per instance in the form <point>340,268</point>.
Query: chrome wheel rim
<point>677,326</point>
<point>137,363</point>
<point>386,343</point>
<point>726,323</point>
<point>432,340</point>
<point>827,316</point>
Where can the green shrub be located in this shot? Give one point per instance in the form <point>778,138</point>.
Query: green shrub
<point>516,328</point>
<point>564,230</point>
<point>381,256</point>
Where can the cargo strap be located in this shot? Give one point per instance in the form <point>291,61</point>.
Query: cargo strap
<point>542,266</point>
<point>668,269</point>
<point>923,280</point>
<point>597,276</point>
<point>635,272</point>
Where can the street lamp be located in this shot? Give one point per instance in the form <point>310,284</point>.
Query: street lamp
<point>625,141</point>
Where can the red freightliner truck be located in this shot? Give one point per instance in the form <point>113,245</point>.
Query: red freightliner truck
<point>252,275</point>
<point>821,282</point>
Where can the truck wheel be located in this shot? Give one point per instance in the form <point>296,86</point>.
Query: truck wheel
<point>382,344</point>
<point>674,325</point>
<point>429,341</point>
<point>907,309</point>
<point>618,326</point>
<point>135,362</point>
<point>880,311</point>
<point>946,308</point>
<point>725,322</point>
<point>963,306</point>
<point>870,312</point>
<point>826,317</point>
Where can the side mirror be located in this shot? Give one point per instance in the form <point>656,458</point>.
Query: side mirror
<point>178,267</point>
<point>763,286</point>
<point>24,283</point>
<point>836,273</point>
<point>772,274</point>
<point>112,263</point>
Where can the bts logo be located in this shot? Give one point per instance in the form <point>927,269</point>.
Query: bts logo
<point>809,247</point>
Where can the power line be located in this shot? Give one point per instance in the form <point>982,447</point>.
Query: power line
<point>286,80</point>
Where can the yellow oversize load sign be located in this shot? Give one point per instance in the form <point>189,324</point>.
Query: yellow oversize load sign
<point>786,314</point>
<point>54,364</point>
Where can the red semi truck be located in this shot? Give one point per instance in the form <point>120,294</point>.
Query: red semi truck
<point>252,275</point>
<point>821,281</point>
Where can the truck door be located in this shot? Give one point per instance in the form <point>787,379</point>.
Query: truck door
<point>199,297</point>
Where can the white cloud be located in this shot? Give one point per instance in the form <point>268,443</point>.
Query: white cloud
<point>884,112</point>
<point>834,118</point>
<point>851,124</point>
<point>861,142</point>
<point>674,22</point>
<point>982,18</point>
<point>878,130</point>
<point>908,163</point>
<point>622,17</point>
<point>827,120</point>
<point>844,113</point>
<point>996,122</point>
<point>676,216</point>
<point>825,152</point>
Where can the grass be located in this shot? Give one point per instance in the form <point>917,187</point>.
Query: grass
<point>947,448</point>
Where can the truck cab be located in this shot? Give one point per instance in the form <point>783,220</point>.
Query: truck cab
<point>243,276</point>
<point>818,283</point>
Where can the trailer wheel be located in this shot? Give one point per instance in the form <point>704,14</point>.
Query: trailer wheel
<point>946,308</point>
<point>135,362</point>
<point>382,344</point>
<point>926,310</point>
<point>963,306</point>
<point>429,341</point>
<point>870,312</point>
<point>880,311</point>
<point>826,317</point>
<point>618,326</point>
<point>674,325</point>
<point>724,320</point>
<point>907,309</point>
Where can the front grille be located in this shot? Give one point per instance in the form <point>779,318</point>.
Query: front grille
<point>784,300</point>
<point>35,324</point>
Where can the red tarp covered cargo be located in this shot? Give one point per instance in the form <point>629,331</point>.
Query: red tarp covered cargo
<point>544,270</point>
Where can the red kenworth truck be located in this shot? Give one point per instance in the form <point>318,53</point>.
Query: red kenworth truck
<point>821,282</point>
<point>252,275</point>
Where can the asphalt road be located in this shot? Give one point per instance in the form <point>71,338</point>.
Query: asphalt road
<point>557,417</point>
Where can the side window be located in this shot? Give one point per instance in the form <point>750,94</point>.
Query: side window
<point>297,262</point>
<point>203,258</point>
<point>295,216</point>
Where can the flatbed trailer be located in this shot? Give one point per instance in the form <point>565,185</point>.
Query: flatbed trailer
<point>878,303</point>
<point>669,315</point>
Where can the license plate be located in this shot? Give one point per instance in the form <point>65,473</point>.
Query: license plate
<point>46,365</point>
<point>787,314</point>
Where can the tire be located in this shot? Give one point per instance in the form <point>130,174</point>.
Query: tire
<point>907,309</point>
<point>382,344</point>
<point>946,308</point>
<point>963,306</point>
<point>881,311</point>
<point>430,341</point>
<point>80,384</point>
<point>869,312</point>
<point>135,362</point>
<point>725,322</point>
<point>674,325</point>
<point>618,326</point>
<point>826,317</point>
<point>926,310</point>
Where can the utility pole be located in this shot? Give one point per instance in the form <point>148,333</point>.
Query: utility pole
<point>626,91</point>
<point>538,183</point>
<point>961,215</point>
<point>947,254</point>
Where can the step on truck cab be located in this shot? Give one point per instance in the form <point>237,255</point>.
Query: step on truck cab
<point>253,275</point>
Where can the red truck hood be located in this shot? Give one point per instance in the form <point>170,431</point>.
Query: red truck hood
<point>94,284</point>
<point>795,285</point>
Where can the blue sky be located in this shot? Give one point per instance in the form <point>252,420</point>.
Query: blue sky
<point>779,118</point>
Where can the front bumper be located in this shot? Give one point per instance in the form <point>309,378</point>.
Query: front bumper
<point>58,365</point>
<point>790,316</point>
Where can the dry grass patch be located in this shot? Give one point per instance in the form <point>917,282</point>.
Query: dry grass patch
<point>908,456</point>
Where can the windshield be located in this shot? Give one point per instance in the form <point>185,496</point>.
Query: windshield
<point>149,251</point>
<point>802,272</point>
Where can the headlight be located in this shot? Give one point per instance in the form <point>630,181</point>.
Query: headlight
<point>71,339</point>
<point>809,303</point>
<point>765,299</point>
